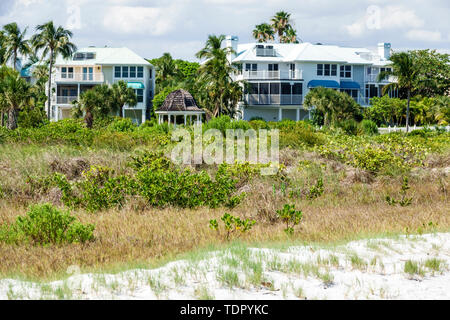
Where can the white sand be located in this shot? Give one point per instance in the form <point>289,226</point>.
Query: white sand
<point>380,275</point>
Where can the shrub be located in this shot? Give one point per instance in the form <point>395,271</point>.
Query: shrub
<point>349,126</point>
<point>259,124</point>
<point>221,123</point>
<point>368,127</point>
<point>290,217</point>
<point>45,224</point>
<point>299,137</point>
<point>122,125</point>
<point>233,225</point>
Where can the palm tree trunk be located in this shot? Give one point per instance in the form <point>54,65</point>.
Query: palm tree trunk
<point>12,119</point>
<point>49,89</point>
<point>89,119</point>
<point>407,110</point>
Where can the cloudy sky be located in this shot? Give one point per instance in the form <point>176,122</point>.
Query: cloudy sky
<point>152,27</point>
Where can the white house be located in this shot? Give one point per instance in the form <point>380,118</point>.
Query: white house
<point>280,75</point>
<point>92,66</point>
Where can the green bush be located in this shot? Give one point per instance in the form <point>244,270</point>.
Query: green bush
<point>45,224</point>
<point>290,217</point>
<point>299,136</point>
<point>233,225</point>
<point>259,124</point>
<point>349,126</point>
<point>122,125</point>
<point>368,127</point>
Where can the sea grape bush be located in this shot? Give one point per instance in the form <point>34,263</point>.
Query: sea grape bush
<point>156,180</point>
<point>233,225</point>
<point>45,224</point>
<point>290,217</point>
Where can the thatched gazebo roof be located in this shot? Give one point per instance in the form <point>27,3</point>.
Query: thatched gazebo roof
<point>180,100</point>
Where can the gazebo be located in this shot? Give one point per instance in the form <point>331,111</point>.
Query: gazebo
<point>179,103</point>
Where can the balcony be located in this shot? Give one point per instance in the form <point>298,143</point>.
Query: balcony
<point>65,99</point>
<point>273,99</point>
<point>272,75</point>
<point>79,77</point>
<point>373,78</point>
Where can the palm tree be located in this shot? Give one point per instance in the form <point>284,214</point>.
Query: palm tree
<point>2,48</point>
<point>54,42</point>
<point>214,81</point>
<point>15,94</point>
<point>14,43</point>
<point>263,32</point>
<point>89,103</point>
<point>405,72</point>
<point>290,36</point>
<point>122,95</point>
<point>321,99</point>
<point>280,23</point>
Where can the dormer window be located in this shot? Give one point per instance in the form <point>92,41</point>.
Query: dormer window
<point>265,51</point>
<point>83,56</point>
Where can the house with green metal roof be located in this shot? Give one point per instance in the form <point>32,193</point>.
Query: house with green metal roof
<point>93,66</point>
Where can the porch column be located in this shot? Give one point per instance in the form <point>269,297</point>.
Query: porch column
<point>56,113</point>
<point>78,95</point>
<point>280,114</point>
<point>143,115</point>
<point>174,120</point>
<point>169,119</point>
<point>298,114</point>
<point>190,119</point>
<point>185,119</point>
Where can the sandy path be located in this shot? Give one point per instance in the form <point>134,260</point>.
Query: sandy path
<point>365,269</point>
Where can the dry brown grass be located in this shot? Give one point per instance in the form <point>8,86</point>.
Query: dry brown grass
<point>137,235</point>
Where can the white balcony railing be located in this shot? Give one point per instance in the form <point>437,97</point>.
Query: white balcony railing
<point>65,99</point>
<point>374,78</point>
<point>276,99</point>
<point>79,77</point>
<point>268,75</point>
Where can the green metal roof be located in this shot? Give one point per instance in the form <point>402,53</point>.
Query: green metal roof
<point>136,85</point>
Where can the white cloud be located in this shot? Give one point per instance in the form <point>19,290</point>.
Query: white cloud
<point>387,18</point>
<point>140,20</point>
<point>423,35</point>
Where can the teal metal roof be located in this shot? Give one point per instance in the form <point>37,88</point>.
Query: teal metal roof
<point>323,83</point>
<point>136,85</point>
<point>350,85</point>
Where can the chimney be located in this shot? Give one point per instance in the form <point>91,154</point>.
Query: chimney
<point>232,42</point>
<point>384,50</point>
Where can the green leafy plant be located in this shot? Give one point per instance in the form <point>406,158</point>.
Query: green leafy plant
<point>45,224</point>
<point>404,201</point>
<point>233,225</point>
<point>316,190</point>
<point>290,217</point>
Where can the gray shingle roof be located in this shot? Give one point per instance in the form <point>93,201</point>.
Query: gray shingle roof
<point>179,100</point>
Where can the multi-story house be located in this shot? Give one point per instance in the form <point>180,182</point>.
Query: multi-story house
<point>93,66</point>
<point>280,75</point>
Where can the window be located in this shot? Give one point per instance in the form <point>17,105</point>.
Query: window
<point>297,89</point>
<point>385,69</point>
<point>273,66</point>
<point>151,72</point>
<point>285,88</point>
<point>117,72</point>
<point>327,70</point>
<point>132,72</point>
<point>254,88</point>
<point>264,88</point>
<point>140,72</point>
<point>124,72</point>
<point>320,69</point>
<point>251,67</point>
<point>334,70</point>
<point>346,71</point>
<point>274,88</point>
<point>140,95</point>
<point>88,73</point>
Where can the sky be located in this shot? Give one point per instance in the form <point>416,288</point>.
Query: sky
<point>181,27</point>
